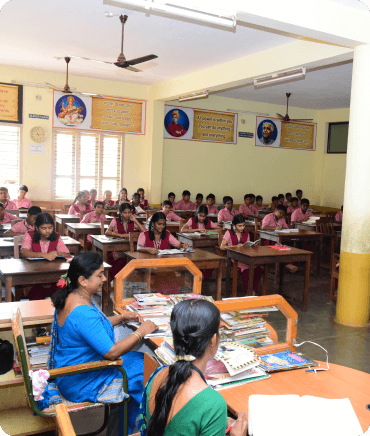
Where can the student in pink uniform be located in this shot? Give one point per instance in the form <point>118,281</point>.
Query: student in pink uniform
<point>27,224</point>
<point>170,214</point>
<point>108,202</point>
<point>299,194</point>
<point>281,199</point>
<point>237,236</point>
<point>293,205</point>
<point>6,217</point>
<point>198,200</point>
<point>301,214</point>
<point>253,205</point>
<point>143,202</point>
<point>93,197</point>
<point>227,213</point>
<point>211,200</point>
<point>122,197</point>
<point>339,215</point>
<point>247,208</point>
<point>4,198</point>
<point>97,215</point>
<point>275,220</point>
<point>259,205</point>
<point>43,242</point>
<point>288,197</point>
<point>22,201</point>
<point>200,222</point>
<point>185,203</point>
<point>80,204</point>
<point>274,203</point>
<point>172,197</point>
<point>135,204</point>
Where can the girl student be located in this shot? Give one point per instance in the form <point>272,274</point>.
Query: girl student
<point>170,214</point>
<point>22,201</point>
<point>293,205</point>
<point>6,217</point>
<point>27,224</point>
<point>227,213</point>
<point>200,222</point>
<point>198,200</point>
<point>135,204</point>
<point>4,198</point>
<point>122,196</point>
<point>237,236</point>
<point>44,242</point>
<point>143,202</point>
<point>108,202</point>
<point>211,200</point>
<point>80,204</point>
<point>177,400</point>
<point>93,196</point>
<point>259,205</point>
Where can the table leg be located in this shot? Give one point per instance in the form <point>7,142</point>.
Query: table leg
<point>70,234</point>
<point>319,250</point>
<point>281,265</point>
<point>219,281</point>
<point>306,282</point>
<point>265,279</point>
<point>250,280</point>
<point>228,275</point>
<point>1,290</point>
<point>235,279</point>
<point>8,289</point>
<point>105,296</point>
<point>85,241</point>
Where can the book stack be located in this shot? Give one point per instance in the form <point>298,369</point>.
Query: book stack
<point>38,354</point>
<point>285,360</point>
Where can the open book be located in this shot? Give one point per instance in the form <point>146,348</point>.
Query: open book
<point>250,243</point>
<point>176,251</point>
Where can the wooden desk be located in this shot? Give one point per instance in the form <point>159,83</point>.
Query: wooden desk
<point>253,256</point>
<point>202,259</point>
<point>104,247</point>
<point>338,382</point>
<point>33,312</point>
<point>197,241</point>
<point>292,238</point>
<point>4,228</point>
<point>141,217</point>
<point>185,213</point>
<point>81,230</point>
<point>172,226</point>
<point>213,217</point>
<point>7,247</point>
<point>28,272</point>
<point>52,212</point>
<point>62,218</point>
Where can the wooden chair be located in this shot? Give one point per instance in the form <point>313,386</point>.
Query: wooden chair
<point>102,227</point>
<point>149,213</point>
<point>330,215</point>
<point>83,213</point>
<point>288,218</point>
<point>334,276</point>
<point>17,243</point>
<point>257,226</point>
<point>325,225</point>
<point>182,223</point>
<point>66,208</point>
<point>13,211</point>
<point>19,338</point>
<point>133,237</point>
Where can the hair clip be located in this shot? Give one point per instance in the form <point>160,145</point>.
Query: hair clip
<point>64,281</point>
<point>188,358</point>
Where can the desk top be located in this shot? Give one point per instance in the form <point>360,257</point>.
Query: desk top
<point>191,236</point>
<point>40,310</point>
<point>103,240</point>
<point>8,244</point>
<point>65,216</point>
<point>301,234</point>
<point>266,251</point>
<point>84,226</point>
<point>198,255</point>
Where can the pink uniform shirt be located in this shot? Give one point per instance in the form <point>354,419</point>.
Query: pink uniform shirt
<point>142,242</point>
<point>89,217</point>
<point>25,203</point>
<point>10,205</point>
<point>226,215</point>
<point>227,237</point>
<point>201,225</point>
<point>8,217</point>
<point>286,203</point>
<point>298,215</point>
<point>260,208</point>
<point>181,205</point>
<point>291,209</point>
<point>73,211</point>
<point>212,209</point>
<point>21,227</point>
<point>171,216</point>
<point>339,216</point>
<point>247,210</point>
<point>270,221</point>
<point>27,244</point>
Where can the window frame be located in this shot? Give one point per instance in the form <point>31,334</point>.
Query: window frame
<point>328,151</point>
<point>77,136</point>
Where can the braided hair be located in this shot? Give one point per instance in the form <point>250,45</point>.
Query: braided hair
<point>44,218</point>
<point>202,209</point>
<point>122,207</point>
<point>79,195</point>
<point>193,325</point>
<point>155,218</point>
<point>136,194</point>
<point>238,219</point>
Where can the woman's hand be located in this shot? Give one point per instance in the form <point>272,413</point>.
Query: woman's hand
<point>132,218</point>
<point>124,235</point>
<point>279,228</point>
<point>132,316</point>
<point>240,245</point>
<point>50,256</point>
<point>153,250</point>
<point>147,327</point>
<point>240,427</point>
<point>202,230</point>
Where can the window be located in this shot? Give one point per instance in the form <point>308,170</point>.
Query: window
<point>9,157</point>
<point>85,160</point>
<point>337,137</point>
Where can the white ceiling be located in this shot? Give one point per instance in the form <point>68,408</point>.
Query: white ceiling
<point>322,89</point>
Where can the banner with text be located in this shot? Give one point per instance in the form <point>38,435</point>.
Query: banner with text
<point>273,132</point>
<point>200,125</point>
<point>11,103</point>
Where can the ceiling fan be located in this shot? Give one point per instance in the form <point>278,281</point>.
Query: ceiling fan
<point>286,118</point>
<point>122,62</point>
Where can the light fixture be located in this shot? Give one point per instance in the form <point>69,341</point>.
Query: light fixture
<point>248,112</point>
<point>38,85</point>
<point>276,78</point>
<point>214,16</point>
<point>194,96</point>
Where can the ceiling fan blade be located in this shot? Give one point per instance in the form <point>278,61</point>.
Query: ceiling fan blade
<point>93,60</point>
<point>302,119</point>
<point>57,88</point>
<point>135,70</point>
<point>142,59</point>
<point>281,116</point>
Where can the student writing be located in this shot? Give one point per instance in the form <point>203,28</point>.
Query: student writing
<point>275,220</point>
<point>25,225</point>
<point>302,213</point>
<point>22,201</point>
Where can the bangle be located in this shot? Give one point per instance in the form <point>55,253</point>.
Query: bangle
<point>138,335</point>
<point>122,319</point>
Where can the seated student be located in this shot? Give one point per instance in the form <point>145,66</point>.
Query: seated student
<point>95,216</point>
<point>122,197</point>
<point>135,204</point>
<point>247,208</point>
<point>281,199</point>
<point>167,210</point>
<point>299,194</point>
<point>288,197</point>
<point>275,220</point>
<point>211,200</point>
<point>177,400</point>
<point>293,205</point>
<point>6,217</point>
<point>171,197</point>
<point>185,203</point>
<point>200,222</point>
<point>108,202</point>
<point>27,224</point>
<point>4,198</point>
<point>301,214</point>
<point>274,203</point>
<point>252,205</point>
<point>237,236</point>
<point>80,204</point>
<point>44,242</point>
<point>93,197</point>
<point>227,213</point>
<point>259,205</point>
<point>143,202</point>
<point>339,215</point>
<point>198,200</point>
<point>22,201</point>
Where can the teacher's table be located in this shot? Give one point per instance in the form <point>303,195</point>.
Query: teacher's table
<point>4,228</point>
<point>28,272</point>
<point>253,256</point>
<point>202,259</point>
<point>338,382</point>
<point>81,230</point>
<point>172,226</point>
<point>7,246</point>
<point>294,237</point>
<point>197,241</point>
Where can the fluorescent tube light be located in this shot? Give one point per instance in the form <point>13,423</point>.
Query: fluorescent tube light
<point>194,96</point>
<point>38,85</point>
<point>248,112</point>
<point>285,76</point>
<point>228,19</point>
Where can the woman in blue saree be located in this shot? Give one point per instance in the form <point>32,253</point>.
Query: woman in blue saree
<point>82,333</point>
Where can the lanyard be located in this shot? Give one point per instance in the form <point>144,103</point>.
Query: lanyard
<point>157,244</point>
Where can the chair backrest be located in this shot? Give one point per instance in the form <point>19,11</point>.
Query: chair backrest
<point>17,242</point>
<point>182,223</point>
<point>325,225</point>
<point>12,222</point>
<point>63,421</point>
<point>66,208</point>
<point>257,224</point>
<point>330,214</point>
<point>13,211</point>
<point>149,213</point>
<point>133,237</point>
<point>102,227</point>
<point>288,217</point>
<point>83,213</point>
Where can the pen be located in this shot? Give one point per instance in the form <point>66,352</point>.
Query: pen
<point>232,425</point>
